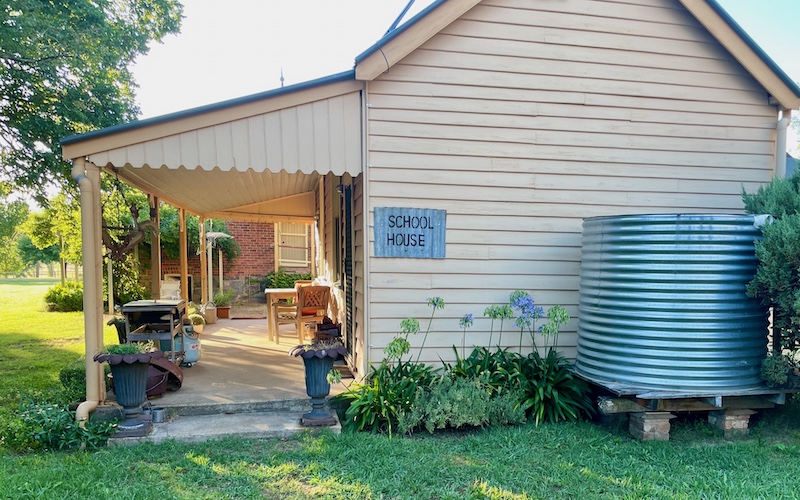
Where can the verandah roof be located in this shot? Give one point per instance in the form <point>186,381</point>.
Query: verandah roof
<point>260,156</point>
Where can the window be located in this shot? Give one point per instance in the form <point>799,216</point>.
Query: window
<point>293,248</point>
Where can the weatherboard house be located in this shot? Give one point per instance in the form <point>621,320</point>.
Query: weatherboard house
<point>461,154</point>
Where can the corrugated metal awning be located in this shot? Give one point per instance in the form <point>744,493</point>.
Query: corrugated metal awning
<point>230,160</point>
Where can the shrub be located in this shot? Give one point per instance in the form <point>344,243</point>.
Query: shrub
<point>223,299</point>
<point>777,279</point>
<point>73,378</point>
<point>126,281</point>
<point>459,402</point>
<point>499,369</point>
<point>43,426</point>
<point>388,391</point>
<point>550,391</point>
<point>282,279</point>
<point>376,405</point>
<point>484,388</point>
<point>65,298</point>
<point>775,370</point>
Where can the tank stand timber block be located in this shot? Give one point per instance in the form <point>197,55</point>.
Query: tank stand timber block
<point>732,422</point>
<point>650,425</point>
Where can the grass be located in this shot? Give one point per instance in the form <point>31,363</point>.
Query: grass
<point>550,461</point>
<point>35,345</point>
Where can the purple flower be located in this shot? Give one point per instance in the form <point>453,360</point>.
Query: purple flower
<point>528,311</point>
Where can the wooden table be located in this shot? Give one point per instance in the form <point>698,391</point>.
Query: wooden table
<point>273,296</point>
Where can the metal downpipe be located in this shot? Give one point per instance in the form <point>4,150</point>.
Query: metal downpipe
<point>92,322</point>
<point>780,143</point>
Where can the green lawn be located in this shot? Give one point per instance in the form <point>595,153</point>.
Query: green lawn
<point>551,461</point>
<point>35,345</point>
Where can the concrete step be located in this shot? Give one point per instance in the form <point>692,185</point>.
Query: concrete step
<point>288,405</point>
<point>274,423</point>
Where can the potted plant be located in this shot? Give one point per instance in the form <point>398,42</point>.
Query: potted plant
<point>223,302</point>
<point>129,363</point>
<point>318,358</point>
<point>194,317</point>
<point>198,321</point>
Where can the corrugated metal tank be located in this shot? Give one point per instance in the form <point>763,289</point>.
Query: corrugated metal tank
<point>663,303</point>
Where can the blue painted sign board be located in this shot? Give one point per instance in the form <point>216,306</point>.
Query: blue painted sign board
<point>414,233</point>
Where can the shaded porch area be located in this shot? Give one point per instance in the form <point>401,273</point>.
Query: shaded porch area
<point>243,386</point>
<point>239,371</point>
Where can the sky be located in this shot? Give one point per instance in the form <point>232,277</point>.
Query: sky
<point>239,47</point>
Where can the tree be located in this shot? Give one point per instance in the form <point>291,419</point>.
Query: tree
<point>32,255</point>
<point>59,224</point>
<point>64,69</point>
<point>12,214</point>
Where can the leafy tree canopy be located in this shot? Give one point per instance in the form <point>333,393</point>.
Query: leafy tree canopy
<point>59,224</point>
<point>12,214</point>
<point>64,69</point>
<point>31,254</point>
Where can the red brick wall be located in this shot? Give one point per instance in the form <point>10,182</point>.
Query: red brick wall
<point>256,257</point>
<point>257,244</point>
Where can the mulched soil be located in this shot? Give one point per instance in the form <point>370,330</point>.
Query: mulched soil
<point>248,310</point>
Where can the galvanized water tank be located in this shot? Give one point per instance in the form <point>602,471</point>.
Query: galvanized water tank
<point>663,304</point>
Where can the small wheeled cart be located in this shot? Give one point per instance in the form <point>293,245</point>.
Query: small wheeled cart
<point>158,320</point>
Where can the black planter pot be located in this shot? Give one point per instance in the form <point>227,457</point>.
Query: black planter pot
<point>318,362</point>
<point>318,388</point>
<point>130,386</point>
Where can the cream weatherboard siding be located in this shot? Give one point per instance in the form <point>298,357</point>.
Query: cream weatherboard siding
<point>359,283</point>
<point>522,118</point>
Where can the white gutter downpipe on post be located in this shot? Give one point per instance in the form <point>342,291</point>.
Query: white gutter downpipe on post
<point>780,143</point>
<point>89,183</point>
<point>365,200</point>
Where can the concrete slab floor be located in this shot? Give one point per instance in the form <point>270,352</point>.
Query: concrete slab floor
<point>238,366</point>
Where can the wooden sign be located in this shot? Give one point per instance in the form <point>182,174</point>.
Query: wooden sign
<point>415,233</point>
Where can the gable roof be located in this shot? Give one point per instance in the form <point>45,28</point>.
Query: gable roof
<point>400,42</point>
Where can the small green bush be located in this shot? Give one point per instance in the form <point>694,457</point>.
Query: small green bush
<point>65,298</point>
<point>73,378</point>
<point>551,392</point>
<point>456,403</point>
<point>777,280</point>
<point>499,369</point>
<point>223,299</point>
<point>41,426</point>
<point>775,370</point>
<point>282,279</point>
<point>126,281</point>
<point>376,405</point>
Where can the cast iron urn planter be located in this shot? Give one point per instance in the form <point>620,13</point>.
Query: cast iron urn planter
<point>318,360</point>
<point>130,386</point>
